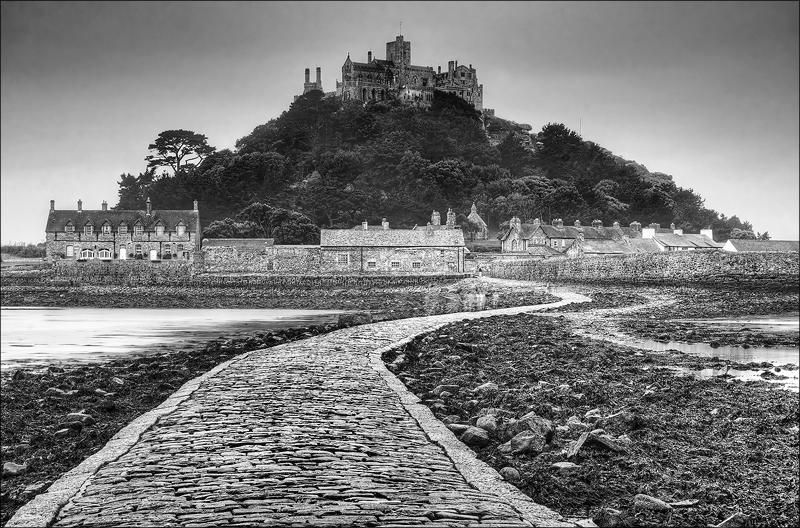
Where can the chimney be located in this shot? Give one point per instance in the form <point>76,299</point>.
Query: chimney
<point>536,222</point>
<point>451,217</point>
<point>676,230</point>
<point>649,232</point>
<point>195,205</point>
<point>308,75</point>
<point>655,226</point>
<point>105,205</point>
<point>435,219</point>
<point>369,57</point>
<point>429,229</point>
<point>450,68</point>
<point>364,225</point>
<point>577,223</point>
<point>319,77</point>
<point>597,223</point>
<point>80,206</point>
<point>636,226</point>
<point>148,205</point>
<point>558,222</point>
<point>708,232</point>
<point>616,224</point>
<point>440,70</point>
<point>385,224</point>
<point>52,205</point>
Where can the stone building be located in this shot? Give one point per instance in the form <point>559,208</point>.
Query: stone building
<point>475,218</point>
<point>395,77</point>
<point>520,237</point>
<point>109,234</point>
<point>424,251</point>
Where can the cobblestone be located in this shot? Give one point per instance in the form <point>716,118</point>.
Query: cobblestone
<point>307,433</point>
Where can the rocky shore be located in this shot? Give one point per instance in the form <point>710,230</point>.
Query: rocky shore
<point>610,433</point>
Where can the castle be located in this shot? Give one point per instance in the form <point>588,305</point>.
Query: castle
<point>396,78</point>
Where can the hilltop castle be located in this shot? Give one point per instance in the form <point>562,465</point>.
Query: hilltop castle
<point>396,78</point>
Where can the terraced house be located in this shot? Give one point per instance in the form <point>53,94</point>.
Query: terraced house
<point>119,234</point>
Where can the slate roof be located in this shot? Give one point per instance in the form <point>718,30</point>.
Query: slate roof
<point>544,251</point>
<point>572,232</point>
<point>644,245</point>
<point>57,219</point>
<point>391,238</point>
<point>765,245</point>
<point>701,240</point>
<point>687,241</point>
<point>604,247</point>
<point>240,244</point>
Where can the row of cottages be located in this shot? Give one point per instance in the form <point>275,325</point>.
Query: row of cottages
<point>740,245</point>
<point>543,241</point>
<point>121,234</point>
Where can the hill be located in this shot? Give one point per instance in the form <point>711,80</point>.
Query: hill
<point>331,164</point>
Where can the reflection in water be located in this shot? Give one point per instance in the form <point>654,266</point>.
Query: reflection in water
<point>44,335</point>
<point>787,379</point>
<point>776,356</point>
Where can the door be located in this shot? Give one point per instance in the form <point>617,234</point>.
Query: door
<point>123,253</point>
<point>153,254</point>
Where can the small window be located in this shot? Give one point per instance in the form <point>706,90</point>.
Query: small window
<point>159,230</point>
<point>441,253</point>
<point>88,230</point>
<point>123,229</point>
<point>180,247</point>
<point>138,230</point>
<point>371,264</point>
<point>69,228</point>
<point>70,251</point>
<point>106,229</point>
<point>181,230</point>
<point>105,254</point>
<point>343,259</point>
<point>138,249</point>
<point>416,265</point>
<point>87,254</point>
<point>395,264</point>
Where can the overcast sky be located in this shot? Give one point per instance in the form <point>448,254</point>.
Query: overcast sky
<point>706,92</point>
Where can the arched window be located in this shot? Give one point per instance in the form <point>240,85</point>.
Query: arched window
<point>87,254</point>
<point>363,94</point>
<point>373,94</point>
<point>104,254</point>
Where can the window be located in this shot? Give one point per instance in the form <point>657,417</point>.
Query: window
<point>138,230</point>
<point>395,264</point>
<point>371,264</point>
<point>441,253</point>
<point>180,247</point>
<point>106,229</point>
<point>123,229</point>
<point>159,230</point>
<point>70,251</point>
<point>181,230</point>
<point>105,254</point>
<point>87,254</point>
<point>138,249</point>
<point>88,230</point>
<point>343,259</point>
<point>69,228</point>
<point>416,265</point>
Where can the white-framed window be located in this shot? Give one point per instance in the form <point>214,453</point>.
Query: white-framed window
<point>87,254</point>
<point>70,251</point>
<point>88,229</point>
<point>343,258</point>
<point>104,254</point>
<point>416,265</point>
<point>123,229</point>
<point>180,248</point>
<point>395,264</point>
<point>106,229</point>
<point>138,230</point>
<point>371,264</point>
<point>138,249</point>
<point>159,230</point>
<point>69,228</point>
<point>181,229</point>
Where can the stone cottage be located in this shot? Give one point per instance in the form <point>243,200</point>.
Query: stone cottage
<point>109,234</point>
<point>520,237</point>
<point>475,218</point>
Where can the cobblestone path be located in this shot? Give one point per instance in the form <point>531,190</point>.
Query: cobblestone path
<point>311,433</point>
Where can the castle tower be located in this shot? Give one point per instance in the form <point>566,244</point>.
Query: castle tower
<point>316,85</point>
<point>399,52</point>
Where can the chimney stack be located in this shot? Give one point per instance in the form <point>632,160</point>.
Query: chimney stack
<point>195,205</point>
<point>616,224</point>
<point>708,232</point>
<point>385,225</point>
<point>80,206</point>
<point>577,223</point>
<point>52,205</point>
<point>451,218</point>
<point>369,57</point>
<point>435,219</point>
<point>364,225</point>
<point>148,205</point>
<point>105,205</point>
<point>308,75</point>
<point>440,70</point>
<point>636,226</point>
<point>597,223</point>
<point>319,77</point>
<point>537,222</point>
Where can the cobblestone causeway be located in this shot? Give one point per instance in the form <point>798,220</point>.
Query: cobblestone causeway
<point>311,433</point>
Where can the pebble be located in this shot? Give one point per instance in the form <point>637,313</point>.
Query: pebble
<point>510,474</point>
<point>646,502</point>
<point>12,469</point>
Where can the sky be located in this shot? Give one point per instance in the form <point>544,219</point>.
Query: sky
<point>707,92</point>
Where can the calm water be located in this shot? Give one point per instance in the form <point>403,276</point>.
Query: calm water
<point>43,335</point>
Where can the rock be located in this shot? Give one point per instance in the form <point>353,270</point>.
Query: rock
<point>535,423</point>
<point>471,404</point>
<point>585,523</point>
<point>646,502</point>
<point>18,375</point>
<point>736,520</point>
<point>619,419</point>
<point>74,425</point>
<point>457,428</point>
<point>486,389</point>
<point>32,490</point>
<point>451,418</point>
<point>689,503</point>
<point>562,429</point>
<point>355,318</point>
<point>53,391</point>
<point>85,419</point>
<point>63,432</point>
<point>101,392</point>
<point>452,389</point>
<point>609,517</point>
<point>573,450</point>
<point>489,423</point>
<point>475,437</point>
<point>108,405</point>
<point>118,381</point>
<point>445,395</point>
<point>524,443</point>
<point>510,474</point>
<point>592,415</point>
<point>565,468</point>
<point>11,469</point>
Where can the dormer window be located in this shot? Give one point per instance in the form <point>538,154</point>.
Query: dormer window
<point>69,228</point>
<point>159,230</point>
<point>138,230</point>
<point>123,229</point>
<point>181,229</point>
<point>88,230</point>
<point>106,229</point>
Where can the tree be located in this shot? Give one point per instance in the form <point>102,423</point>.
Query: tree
<point>744,234</point>
<point>173,147</point>
<point>763,236</point>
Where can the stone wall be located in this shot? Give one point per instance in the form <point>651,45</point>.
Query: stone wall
<point>179,247</point>
<point>678,268</point>
<point>275,259</point>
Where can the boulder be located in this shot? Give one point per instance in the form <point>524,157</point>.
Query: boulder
<point>510,474</point>
<point>475,437</point>
<point>451,418</point>
<point>355,318</point>
<point>535,423</point>
<point>488,422</point>
<point>486,389</point>
<point>85,419</point>
<point>457,428</point>
<point>609,518</point>
<point>11,469</point>
<point>646,502</point>
<point>524,443</point>
<point>452,389</point>
<point>592,415</point>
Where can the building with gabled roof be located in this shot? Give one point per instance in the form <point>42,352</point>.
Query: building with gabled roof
<point>761,246</point>
<point>111,234</point>
<point>475,218</point>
